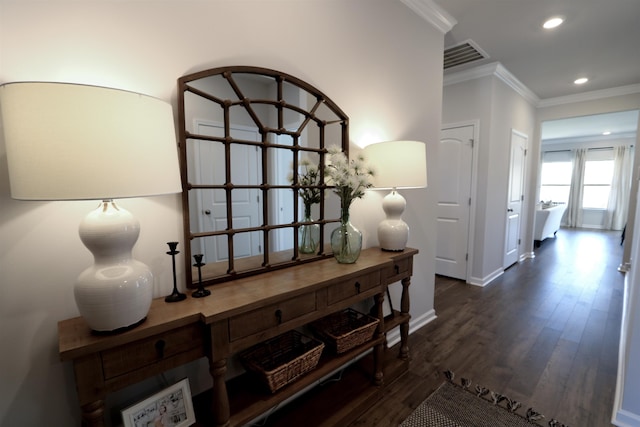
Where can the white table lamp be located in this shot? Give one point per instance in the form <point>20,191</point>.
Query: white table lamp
<point>76,142</point>
<point>398,165</point>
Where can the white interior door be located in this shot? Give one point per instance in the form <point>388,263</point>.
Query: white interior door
<point>516,197</point>
<point>247,207</point>
<point>455,164</point>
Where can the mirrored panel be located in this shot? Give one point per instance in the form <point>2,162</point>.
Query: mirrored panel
<point>252,144</point>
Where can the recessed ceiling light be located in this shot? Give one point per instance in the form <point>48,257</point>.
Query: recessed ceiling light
<point>581,81</point>
<point>606,132</point>
<point>552,22</point>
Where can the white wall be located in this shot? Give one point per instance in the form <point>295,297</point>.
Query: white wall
<point>376,59</point>
<point>471,100</point>
<point>498,109</point>
<point>511,111</point>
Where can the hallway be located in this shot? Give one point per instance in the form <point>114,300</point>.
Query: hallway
<point>544,333</point>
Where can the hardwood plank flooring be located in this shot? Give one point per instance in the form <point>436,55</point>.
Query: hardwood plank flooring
<point>545,333</point>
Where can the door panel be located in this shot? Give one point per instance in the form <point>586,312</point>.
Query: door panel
<point>455,160</point>
<point>515,197</point>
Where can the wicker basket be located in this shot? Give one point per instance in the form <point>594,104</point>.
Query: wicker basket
<point>282,359</point>
<point>345,330</point>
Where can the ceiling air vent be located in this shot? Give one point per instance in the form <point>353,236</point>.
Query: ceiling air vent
<point>463,53</point>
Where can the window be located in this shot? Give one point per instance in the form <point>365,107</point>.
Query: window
<point>557,169</point>
<point>598,174</point>
<point>556,176</point>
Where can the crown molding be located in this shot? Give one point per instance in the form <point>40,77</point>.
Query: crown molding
<point>505,75</point>
<point>469,74</point>
<point>498,70</point>
<point>432,13</point>
<point>493,69</point>
<point>590,96</point>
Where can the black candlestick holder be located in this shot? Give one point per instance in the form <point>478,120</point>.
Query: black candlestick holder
<point>201,292</point>
<point>175,295</point>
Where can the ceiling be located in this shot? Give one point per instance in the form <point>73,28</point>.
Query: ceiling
<point>599,39</point>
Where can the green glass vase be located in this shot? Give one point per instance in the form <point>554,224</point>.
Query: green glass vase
<point>308,234</point>
<point>346,240</point>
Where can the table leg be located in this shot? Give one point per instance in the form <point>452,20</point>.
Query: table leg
<point>220,403</point>
<point>93,414</point>
<point>378,351</point>
<point>404,327</point>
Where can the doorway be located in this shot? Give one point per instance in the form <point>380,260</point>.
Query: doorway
<point>456,170</point>
<point>517,162</point>
<point>599,135</point>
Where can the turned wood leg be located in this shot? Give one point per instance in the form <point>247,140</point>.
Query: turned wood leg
<point>378,351</point>
<point>220,400</point>
<point>404,327</point>
<point>93,414</point>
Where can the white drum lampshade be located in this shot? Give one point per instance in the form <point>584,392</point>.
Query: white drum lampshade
<point>77,142</point>
<point>398,165</point>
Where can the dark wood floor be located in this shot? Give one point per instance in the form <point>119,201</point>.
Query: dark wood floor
<point>544,333</point>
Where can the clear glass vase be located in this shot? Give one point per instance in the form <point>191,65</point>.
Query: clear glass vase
<point>346,240</point>
<point>308,234</point>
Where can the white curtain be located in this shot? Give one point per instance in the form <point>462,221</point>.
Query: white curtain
<point>618,205</point>
<point>574,206</point>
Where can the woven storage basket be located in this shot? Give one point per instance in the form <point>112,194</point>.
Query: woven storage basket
<point>345,330</point>
<point>282,359</point>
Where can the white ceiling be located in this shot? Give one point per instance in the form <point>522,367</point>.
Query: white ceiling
<point>600,39</point>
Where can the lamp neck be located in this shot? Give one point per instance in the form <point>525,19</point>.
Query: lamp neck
<point>109,232</point>
<point>393,205</point>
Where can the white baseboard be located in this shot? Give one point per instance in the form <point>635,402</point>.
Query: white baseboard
<point>393,337</point>
<point>476,281</point>
<point>527,255</point>
<point>423,320</point>
<point>593,226</point>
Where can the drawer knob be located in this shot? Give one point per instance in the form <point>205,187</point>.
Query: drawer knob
<point>397,268</point>
<point>279,316</point>
<point>160,345</point>
<point>358,287</point>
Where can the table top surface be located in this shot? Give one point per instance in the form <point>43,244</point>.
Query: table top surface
<point>227,299</point>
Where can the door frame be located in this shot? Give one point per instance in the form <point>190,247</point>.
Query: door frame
<point>474,187</point>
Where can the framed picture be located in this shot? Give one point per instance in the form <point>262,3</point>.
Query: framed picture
<point>171,407</point>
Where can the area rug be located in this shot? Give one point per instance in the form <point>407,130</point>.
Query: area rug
<point>464,405</point>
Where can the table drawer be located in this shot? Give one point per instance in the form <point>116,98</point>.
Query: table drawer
<point>352,287</point>
<point>264,318</point>
<point>401,268</point>
<point>131,357</point>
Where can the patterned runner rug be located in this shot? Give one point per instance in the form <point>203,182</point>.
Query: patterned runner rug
<point>461,405</point>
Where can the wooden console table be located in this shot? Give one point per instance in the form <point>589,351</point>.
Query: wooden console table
<point>236,316</point>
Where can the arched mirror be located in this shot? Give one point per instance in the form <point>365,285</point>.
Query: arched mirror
<point>249,137</point>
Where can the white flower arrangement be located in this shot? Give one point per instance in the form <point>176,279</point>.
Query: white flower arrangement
<point>308,179</point>
<point>349,178</point>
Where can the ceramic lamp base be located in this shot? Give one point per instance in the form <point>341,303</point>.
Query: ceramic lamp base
<point>393,232</point>
<point>116,291</point>
<point>393,235</point>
